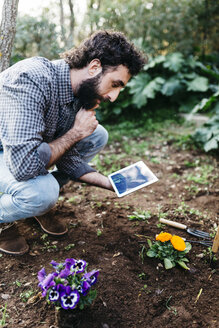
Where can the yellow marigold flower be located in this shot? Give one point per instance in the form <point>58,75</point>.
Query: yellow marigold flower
<point>178,243</point>
<point>164,236</point>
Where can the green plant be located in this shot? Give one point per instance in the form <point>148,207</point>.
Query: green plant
<point>47,246</point>
<point>192,189</point>
<point>99,232</point>
<point>69,246</point>
<point>160,225</point>
<point>140,215</point>
<point>4,315</point>
<point>182,209</point>
<point>202,175</point>
<point>142,253</point>
<point>170,249</point>
<point>190,164</point>
<point>18,283</point>
<point>209,255</point>
<point>26,295</point>
<point>207,136</point>
<point>142,276</point>
<point>170,308</point>
<point>168,84</point>
<point>74,200</point>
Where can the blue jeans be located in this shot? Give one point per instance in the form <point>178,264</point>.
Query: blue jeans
<point>20,200</point>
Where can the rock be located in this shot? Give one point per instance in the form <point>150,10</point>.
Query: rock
<point>105,325</point>
<point>5,296</point>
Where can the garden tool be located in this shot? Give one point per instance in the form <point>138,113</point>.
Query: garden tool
<point>207,243</point>
<point>216,242</point>
<point>191,231</point>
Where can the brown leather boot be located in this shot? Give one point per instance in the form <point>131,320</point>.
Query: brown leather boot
<point>51,225</point>
<point>11,242</point>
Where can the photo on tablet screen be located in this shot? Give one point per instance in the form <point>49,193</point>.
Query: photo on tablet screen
<point>132,178</point>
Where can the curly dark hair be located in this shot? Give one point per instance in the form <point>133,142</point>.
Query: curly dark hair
<point>111,48</point>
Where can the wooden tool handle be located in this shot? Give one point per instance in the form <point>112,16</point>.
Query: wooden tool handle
<point>174,224</point>
<point>216,242</point>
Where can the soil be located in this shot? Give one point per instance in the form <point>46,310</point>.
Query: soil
<point>132,290</point>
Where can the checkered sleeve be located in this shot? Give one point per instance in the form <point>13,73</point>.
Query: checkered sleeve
<point>24,100</point>
<point>73,165</point>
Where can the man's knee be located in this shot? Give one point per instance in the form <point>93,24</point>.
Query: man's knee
<point>39,196</point>
<point>103,135</point>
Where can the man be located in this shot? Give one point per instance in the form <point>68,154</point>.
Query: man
<point>47,117</point>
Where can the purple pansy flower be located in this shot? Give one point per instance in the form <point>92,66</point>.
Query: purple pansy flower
<point>64,273</point>
<point>76,266</point>
<point>84,288</point>
<point>79,266</point>
<point>46,282</point>
<point>69,263</point>
<point>41,274</point>
<point>68,298</point>
<point>91,277</point>
<point>57,266</point>
<point>53,294</point>
<point>68,281</point>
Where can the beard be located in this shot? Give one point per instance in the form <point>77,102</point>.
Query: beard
<point>87,92</point>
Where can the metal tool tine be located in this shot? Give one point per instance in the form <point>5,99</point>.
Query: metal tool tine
<point>198,233</point>
<point>207,243</point>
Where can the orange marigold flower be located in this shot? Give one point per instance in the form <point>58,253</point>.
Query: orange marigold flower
<point>164,236</point>
<point>178,243</point>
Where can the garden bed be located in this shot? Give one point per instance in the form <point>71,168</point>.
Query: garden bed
<point>133,290</point>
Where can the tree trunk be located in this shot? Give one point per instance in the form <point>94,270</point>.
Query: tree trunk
<point>71,24</point>
<point>7,31</point>
<point>62,22</point>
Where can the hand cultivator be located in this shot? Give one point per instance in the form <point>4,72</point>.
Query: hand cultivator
<point>207,243</point>
<point>191,231</point>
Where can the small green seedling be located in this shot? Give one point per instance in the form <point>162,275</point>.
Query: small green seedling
<point>18,283</point>
<point>69,246</point>
<point>26,295</point>
<point>140,215</point>
<point>99,232</point>
<point>142,276</point>
<point>170,308</point>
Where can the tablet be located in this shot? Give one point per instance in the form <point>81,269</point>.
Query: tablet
<point>132,178</point>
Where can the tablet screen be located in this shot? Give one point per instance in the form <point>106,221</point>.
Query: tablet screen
<point>131,178</point>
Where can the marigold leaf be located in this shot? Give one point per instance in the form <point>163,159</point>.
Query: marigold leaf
<point>168,264</point>
<point>188,247</point>
<point>150,253</point>
<point>149,243</point>
<point>183,265</point>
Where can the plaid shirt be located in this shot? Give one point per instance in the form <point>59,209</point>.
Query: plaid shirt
<point>37,106</point>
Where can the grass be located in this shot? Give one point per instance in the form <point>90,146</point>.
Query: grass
<point>202,175</point>
<point>128,142</point>
<point>4,316</point>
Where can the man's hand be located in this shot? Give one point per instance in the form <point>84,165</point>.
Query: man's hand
<point>97,179</point>
<point>84,125</point>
